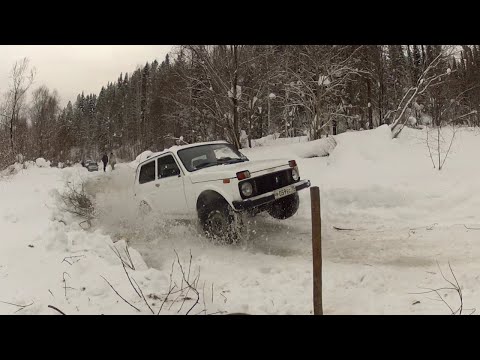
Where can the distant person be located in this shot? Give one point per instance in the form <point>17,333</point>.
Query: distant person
<point>113,160</point>
<point>105,161</point>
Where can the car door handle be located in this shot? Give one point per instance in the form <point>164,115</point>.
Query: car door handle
<point>157,185</point>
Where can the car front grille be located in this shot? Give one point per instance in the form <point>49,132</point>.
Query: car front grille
<point>270,182</point>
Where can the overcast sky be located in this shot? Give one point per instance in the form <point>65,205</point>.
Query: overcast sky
<point>71,69</point>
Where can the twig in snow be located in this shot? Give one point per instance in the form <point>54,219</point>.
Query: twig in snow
<point>189,266</point>
<point>170,289</point>
<point>454,286</point>
<point>189,285</point>
<point>166,297</point>
<point>121,297</point>
<point>178,297</point>
<point>143,296</point>
<point>119,256</point>
<point>21,307</point>
<point>448,150</point>
<point>224,297</point>
<point>71,259</point>
<point>470,228</point>
<point>128,277</point>
<point>129,257</point>
<point>65,287</point>
<point>194,286</point>
<point>203,295</point>
<point>343,229</point>
<point>78,203</point>
<point>428,227</point>
<point>223,312</point>
<point>54,308</point>
<point>429,151</point>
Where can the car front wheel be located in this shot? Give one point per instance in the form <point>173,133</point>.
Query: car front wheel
<point>285,207</point>
<point>219,223</point>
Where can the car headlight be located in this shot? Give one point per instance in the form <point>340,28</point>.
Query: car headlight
<point>295,174</point>
<point>246,189</point>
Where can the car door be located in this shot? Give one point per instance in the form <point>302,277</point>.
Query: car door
<point>169,187</point>
<point>146,189</point>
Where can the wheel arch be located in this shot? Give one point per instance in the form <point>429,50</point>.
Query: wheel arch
<point>207,198</point>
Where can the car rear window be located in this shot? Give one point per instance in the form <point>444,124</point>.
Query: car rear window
<point>147,173</point>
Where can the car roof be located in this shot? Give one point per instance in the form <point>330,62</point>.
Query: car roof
<point>177,148</point>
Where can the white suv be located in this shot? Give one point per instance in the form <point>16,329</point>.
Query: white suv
<point>214,182</point>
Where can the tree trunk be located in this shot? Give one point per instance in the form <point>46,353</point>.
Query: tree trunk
<point>261,125</point>
<point>250,131</point>
<point>380,104</point>
<point>318,122</point>
<point>235,100</point>
<point>12,120</point>
<point>369,103</point>
<point>11,134</point>
<point>438,148</point>
<point>268,100</point>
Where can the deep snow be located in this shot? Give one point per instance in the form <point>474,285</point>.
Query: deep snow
<point>404,216</point>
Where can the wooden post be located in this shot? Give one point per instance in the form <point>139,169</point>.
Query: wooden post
<point>316,250</point>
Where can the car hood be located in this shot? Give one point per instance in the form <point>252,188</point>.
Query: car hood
<point>228,171</point>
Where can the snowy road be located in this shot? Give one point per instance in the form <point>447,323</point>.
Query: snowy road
<point>405,217</point>
<point>402,225</point>
<point>381,267</point>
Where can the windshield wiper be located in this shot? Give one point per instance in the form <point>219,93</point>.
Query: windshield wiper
<point>205,164</point>
<point>221,161</point>
<point>233,161</point>
<point>230,160</point>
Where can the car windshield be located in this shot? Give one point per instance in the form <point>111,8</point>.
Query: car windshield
<point>203,156</point>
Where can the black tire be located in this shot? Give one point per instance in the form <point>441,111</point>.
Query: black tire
<point>284,208</point>
<point>218,222</point>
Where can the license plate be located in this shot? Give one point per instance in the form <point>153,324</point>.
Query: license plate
<point>289,190</point>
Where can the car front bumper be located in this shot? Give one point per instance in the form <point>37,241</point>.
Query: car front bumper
<point>265,198</point>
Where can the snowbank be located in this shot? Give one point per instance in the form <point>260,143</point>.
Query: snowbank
<point>74,270</point>
<point>12,169</point>
<point>275,139</point>
<point>41,162</point>
<point>143,156</point>
<point>291,148</point>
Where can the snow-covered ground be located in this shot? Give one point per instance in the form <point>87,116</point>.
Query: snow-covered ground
<point>403,215</point>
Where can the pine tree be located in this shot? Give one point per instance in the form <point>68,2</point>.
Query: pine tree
<point>417,63</point>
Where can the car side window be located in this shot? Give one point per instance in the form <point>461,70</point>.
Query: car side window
<point>167,167</point>
<point>147,173</point>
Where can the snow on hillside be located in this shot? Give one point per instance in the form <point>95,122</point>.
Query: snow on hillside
<point>297,146</point>
<point>403,216</point>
